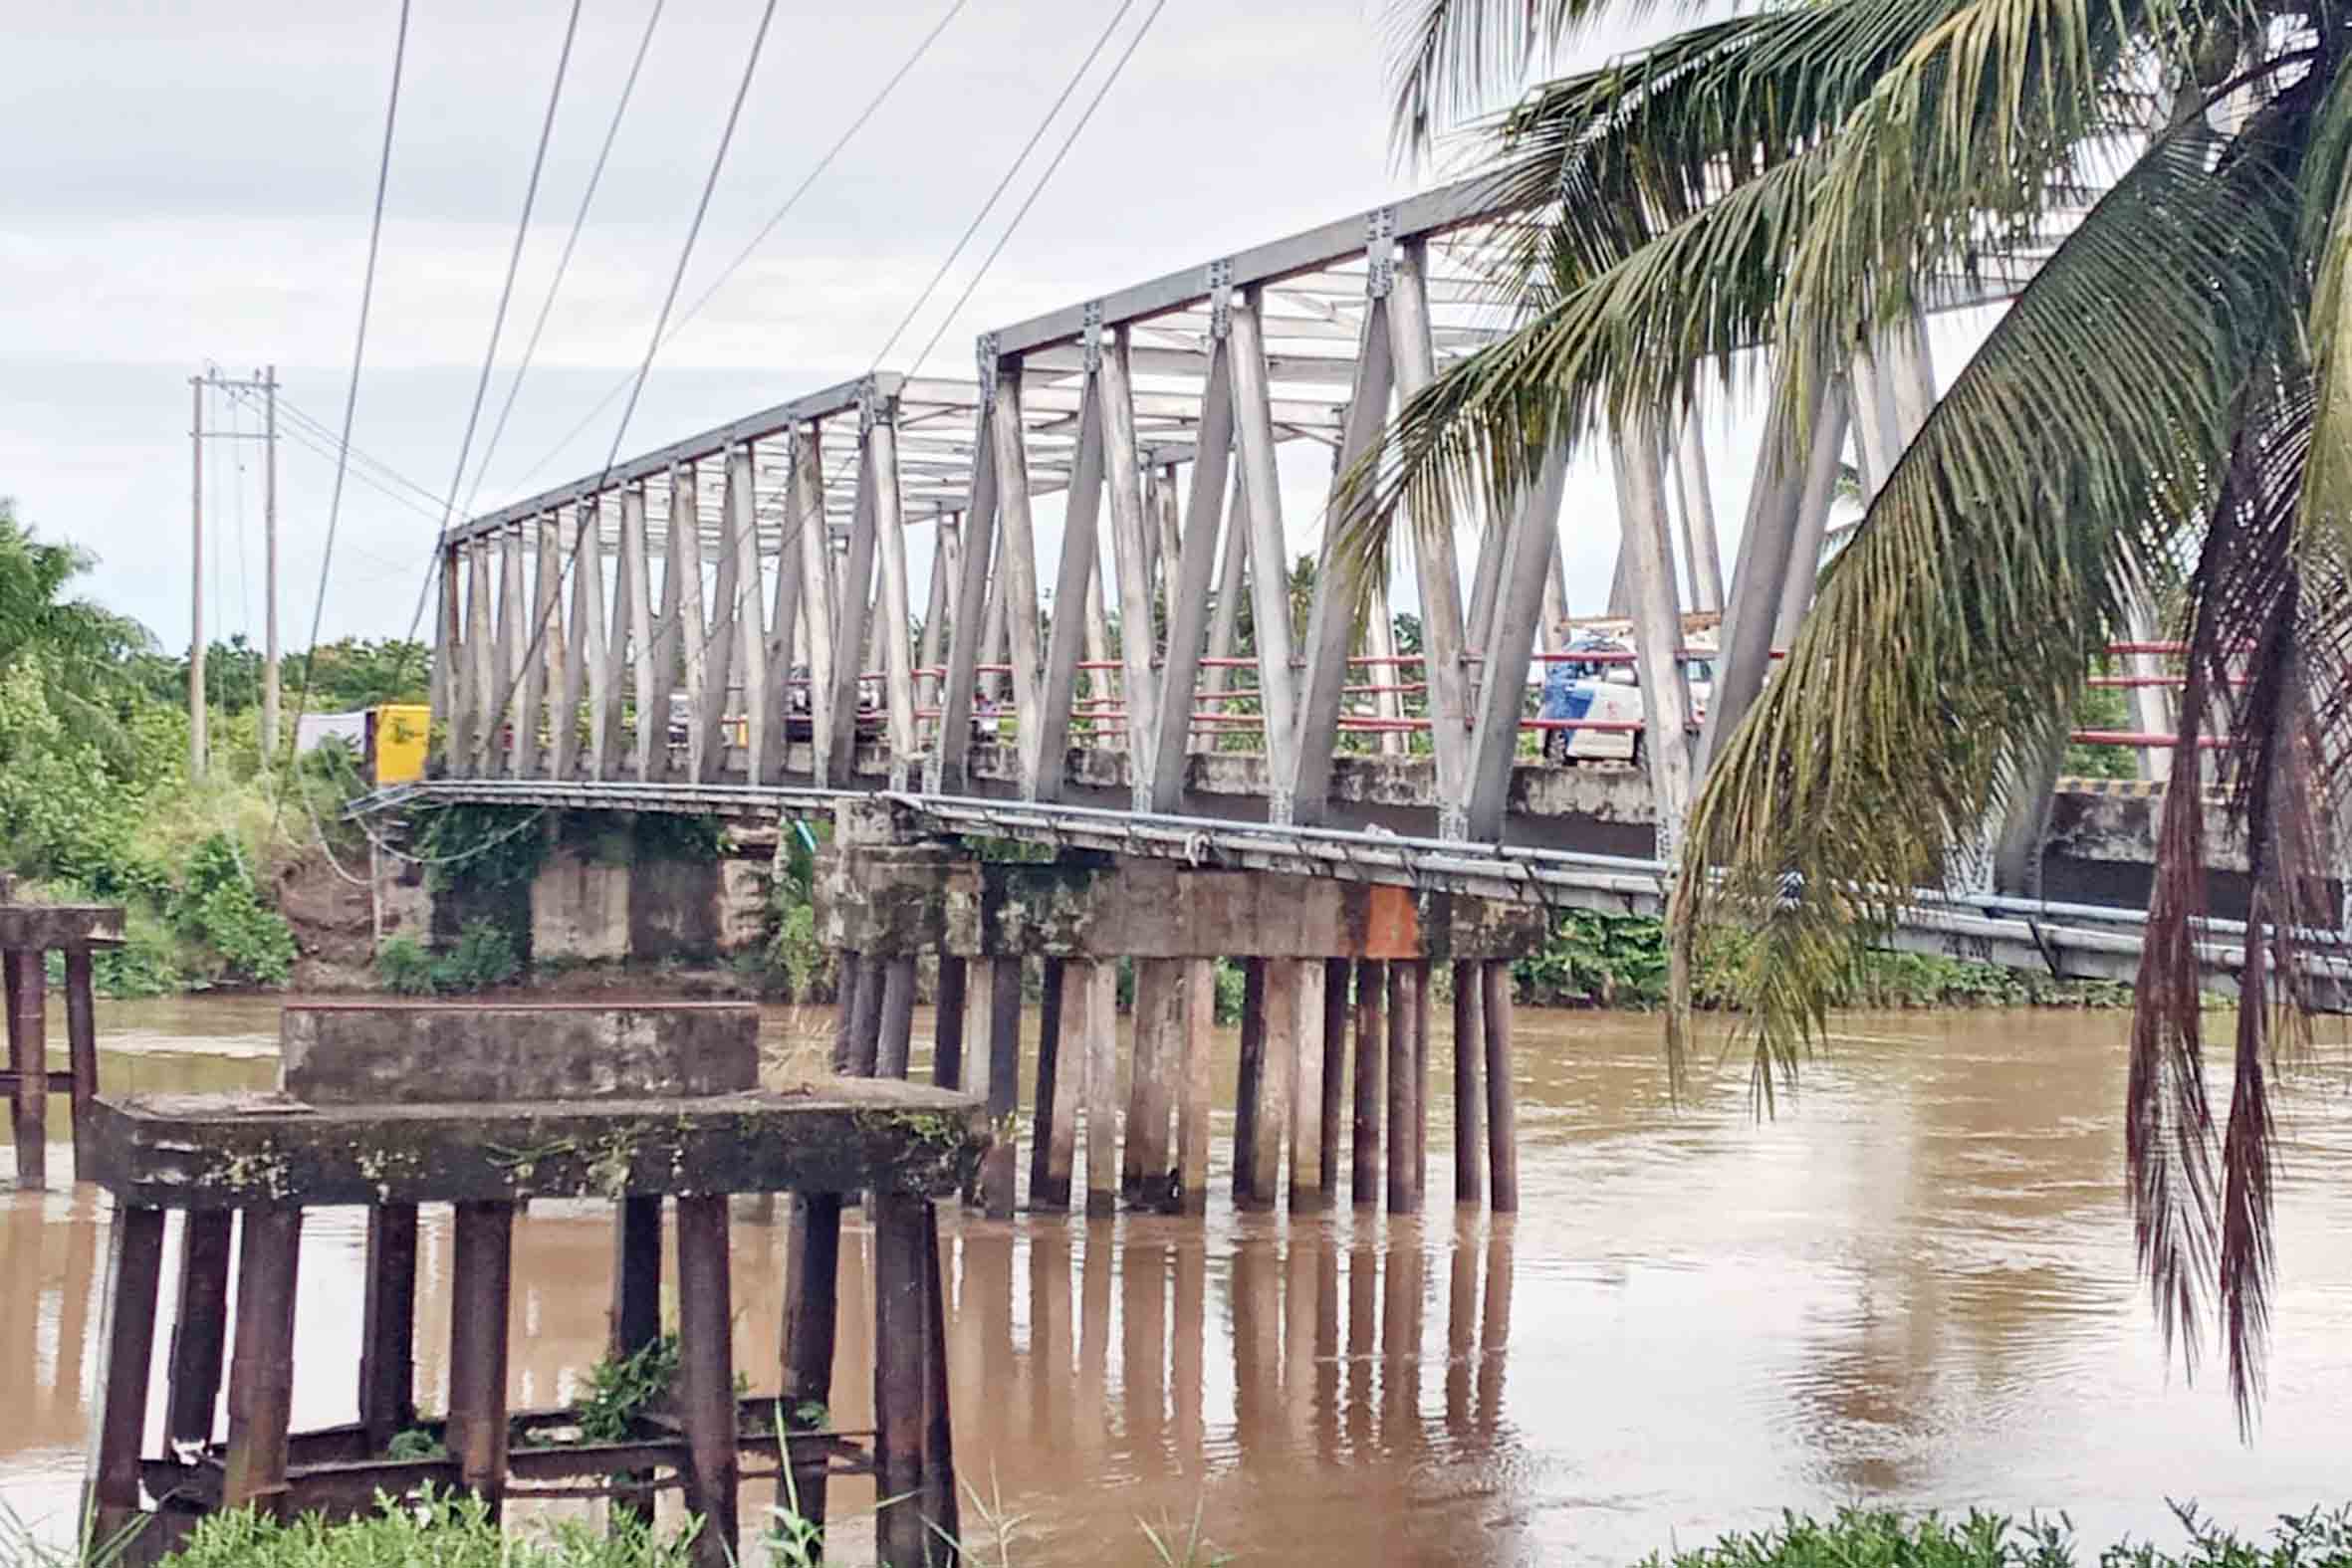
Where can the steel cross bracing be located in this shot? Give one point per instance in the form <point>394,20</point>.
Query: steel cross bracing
<point>737,605</point>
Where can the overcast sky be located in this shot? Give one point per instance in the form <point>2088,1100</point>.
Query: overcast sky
<point>189,185</point>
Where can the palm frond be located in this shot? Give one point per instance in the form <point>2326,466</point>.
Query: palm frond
<point>1954,627</point>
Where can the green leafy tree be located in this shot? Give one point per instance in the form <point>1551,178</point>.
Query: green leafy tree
<point>2169,394</point>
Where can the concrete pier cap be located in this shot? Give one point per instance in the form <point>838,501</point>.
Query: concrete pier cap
<point>881,890</point>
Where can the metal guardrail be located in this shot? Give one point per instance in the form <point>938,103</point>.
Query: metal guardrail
<point>2075,941</point>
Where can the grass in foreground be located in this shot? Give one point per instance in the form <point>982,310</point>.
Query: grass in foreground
<point>456,1532</point>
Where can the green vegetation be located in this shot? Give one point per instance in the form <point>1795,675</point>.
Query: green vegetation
<point>483,956</point>
<point>1621,961</point>
<point>450,1531</point>
<point>2162,417</point>
<point>1868,1539</point>
<point>619,1390</point>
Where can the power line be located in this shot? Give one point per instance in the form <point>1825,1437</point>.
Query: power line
<point>350,405</point>
<point>506,294</point>
<point>652,346</point>
<point>874,106</point>
<point>1067,142</point>
<point>563,262</point>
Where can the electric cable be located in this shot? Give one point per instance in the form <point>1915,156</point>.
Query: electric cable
<point>563,262</point>
<point>506,295</point>
<point>350,406</point>
<point>874,106</point>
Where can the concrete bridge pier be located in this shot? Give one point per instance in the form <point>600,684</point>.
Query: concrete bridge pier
<point>1327,965</point>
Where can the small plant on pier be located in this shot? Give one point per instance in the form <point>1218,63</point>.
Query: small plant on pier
<point>622,1388</point>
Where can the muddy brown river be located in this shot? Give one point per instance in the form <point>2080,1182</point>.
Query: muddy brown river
<point>1913,1286</point>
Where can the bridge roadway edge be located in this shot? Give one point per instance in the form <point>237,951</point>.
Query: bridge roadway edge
<point>2066,940</point>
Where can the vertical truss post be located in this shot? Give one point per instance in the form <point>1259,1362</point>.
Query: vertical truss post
<point>1875,444</point>
<point>448,695</point>
<point>1339,586</point>
<point>740,600</point>
<point>1657,628</point>
<point>1701,551</point>
<point>1556,599</point>
<point>804,521</point>
<point>1822,461</point>
<point>1016,558</point>
<point>1523,569</point>
<point>1189,567</point>
<point>1765,541</point>
<point>1442,648</point>
<point>879,417</point>
<point>583,654</point>
<point>1070,585</point>
<point>546,660</point>
<point>602,640</point>
<point>967,643</point>
<point>514,636</point>
<point>1166,524</point>
<point>633,625</point>
<point>1270,573</point>
<point>946,542</point>
<point>772,698</point>
<point>1232,573</point>
<point>1131,547</point>
<point>482,669</point>
<point>682,644</point>
<point>852,608</point>
<point>711,629</point>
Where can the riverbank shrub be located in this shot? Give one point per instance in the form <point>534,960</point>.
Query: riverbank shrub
<point>449,1531</point>
<point>1874,1538</point>
<point>1598,958</point>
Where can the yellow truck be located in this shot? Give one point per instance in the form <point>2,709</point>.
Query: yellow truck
<point>398,735</point>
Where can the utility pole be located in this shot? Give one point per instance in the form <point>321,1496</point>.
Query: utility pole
<point>196,746</point>
<point>265,382</point>
<point>269,534</point>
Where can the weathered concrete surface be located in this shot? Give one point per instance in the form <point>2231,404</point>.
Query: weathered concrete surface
<point>46,925</point>
<point>2121,829</point>
<point>580,905</point>
<point>420,1054</point>
<point>215,1151</point>
<point>883,898</point>
<point>673,909</point>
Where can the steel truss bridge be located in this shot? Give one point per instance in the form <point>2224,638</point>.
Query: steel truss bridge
<point>728,623</point>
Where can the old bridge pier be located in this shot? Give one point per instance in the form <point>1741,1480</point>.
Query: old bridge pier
<point>1336,1036</point>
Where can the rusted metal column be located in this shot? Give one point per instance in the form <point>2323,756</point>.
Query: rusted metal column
<point>1469,1045</point>
<point>1371,1056</point>
<point>1196,1078</point>
<point>895,1017</point>
<point>388,1325</point>
<point>127,1341</point>
<point>1424,1000</point>
<point>848,969</point>
<point>706,1376</point>
<point>1502,1097</point>
<point>1404,1087</point>
<point>636,1316</point>
<point>812,1265</point>
<point>1097,1017</point>
<point>481,1279</point>
<point>28,1055</point>
<point>865,1018</point>
<point>1145,1175</point>
<point>1334,1080</point>
<point>947,1025</point>
<point>261,1372</point>
<point>199,1330</point>
<point>1256,1156</point>
<point>81,1040</point>
<point>1295,1024</point>
<point>1050,1147</point>
<point>941,1511</point>
<point>901,1536</point>
<point>994,1000</point>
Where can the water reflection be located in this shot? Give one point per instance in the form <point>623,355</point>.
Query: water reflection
<point>1914,1285</point>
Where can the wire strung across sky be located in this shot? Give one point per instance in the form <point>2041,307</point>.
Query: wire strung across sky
<point>384,174</point>
<point>874,106</point>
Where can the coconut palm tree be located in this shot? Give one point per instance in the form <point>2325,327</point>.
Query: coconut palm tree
<point>2176,371</point>
<point>83,649</point>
